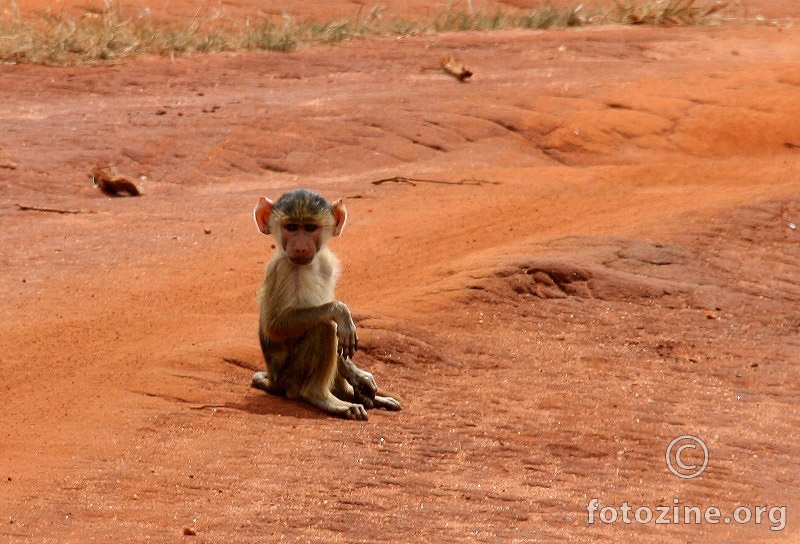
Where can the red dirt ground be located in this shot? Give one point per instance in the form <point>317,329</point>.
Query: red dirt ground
<point>604,257</point>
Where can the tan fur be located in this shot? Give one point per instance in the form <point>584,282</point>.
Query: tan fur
<point>306,335</point>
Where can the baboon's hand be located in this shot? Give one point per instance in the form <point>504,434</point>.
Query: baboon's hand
<point>364,385</point>
<point>346,333</point>
<point>348,339</point>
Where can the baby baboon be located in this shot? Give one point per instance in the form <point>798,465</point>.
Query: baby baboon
<point>307,336</point>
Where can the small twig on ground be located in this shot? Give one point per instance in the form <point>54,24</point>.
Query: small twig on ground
<point>395,179</point>
<point>26,208</point>
<point>414,181</point>
<point>209,407</point>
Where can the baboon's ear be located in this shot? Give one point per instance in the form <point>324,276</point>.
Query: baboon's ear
<point>261,214</point>
<point>339,216</point>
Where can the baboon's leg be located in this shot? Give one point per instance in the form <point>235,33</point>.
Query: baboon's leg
<point>275,361</point>
<point>360,382</point>
<point>314,363</point>
<point>365,390</point>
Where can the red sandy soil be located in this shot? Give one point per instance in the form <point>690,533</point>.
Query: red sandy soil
<point>602,259</point>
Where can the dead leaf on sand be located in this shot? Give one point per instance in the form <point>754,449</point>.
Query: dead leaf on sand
<point>111,183</point>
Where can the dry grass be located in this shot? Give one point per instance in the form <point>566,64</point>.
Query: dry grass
<point>107,36</point>
<point>666,12</point>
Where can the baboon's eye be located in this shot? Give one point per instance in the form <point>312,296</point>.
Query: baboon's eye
<point>291,227</point>
<point>311,228</point>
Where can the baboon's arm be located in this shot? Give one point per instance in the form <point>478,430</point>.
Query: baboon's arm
<point>293,322</point>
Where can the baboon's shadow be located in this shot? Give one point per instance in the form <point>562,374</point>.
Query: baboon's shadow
<point>262,403</point>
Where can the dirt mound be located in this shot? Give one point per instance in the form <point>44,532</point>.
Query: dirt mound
<point>393,343</point>
<point>613,269</point>
<point>745,262</point>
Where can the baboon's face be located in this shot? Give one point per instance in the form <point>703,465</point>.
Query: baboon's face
<point>301,241</point>
<point>301,222</point>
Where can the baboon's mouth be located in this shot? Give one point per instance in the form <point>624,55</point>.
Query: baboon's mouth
<point>301,261</point>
